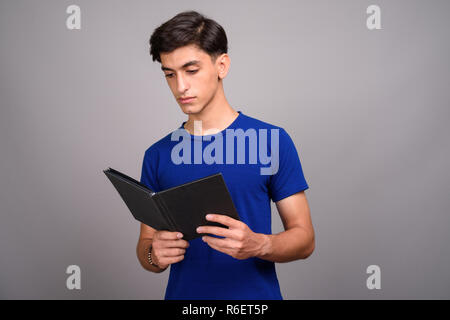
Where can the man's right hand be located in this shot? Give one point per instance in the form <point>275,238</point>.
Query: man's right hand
<point>168,248</point>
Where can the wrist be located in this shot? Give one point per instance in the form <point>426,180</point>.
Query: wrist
<point>266,246</point>
<point>150,259</point>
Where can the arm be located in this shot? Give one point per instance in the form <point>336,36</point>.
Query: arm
<point>144,243</point>
<point>167,248</point>
<point>240,242</point>
<point>297,241</point>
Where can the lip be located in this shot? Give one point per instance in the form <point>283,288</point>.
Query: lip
<point>186,100</point>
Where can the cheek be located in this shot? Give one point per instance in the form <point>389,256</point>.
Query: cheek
<point>209,82</point>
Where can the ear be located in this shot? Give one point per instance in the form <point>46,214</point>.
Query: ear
<point>223,65</point>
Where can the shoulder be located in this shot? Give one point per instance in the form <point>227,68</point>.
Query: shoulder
<point>272,129</point>
<point>159,145</point>
<point>154,151</point>
<point>252,122</point>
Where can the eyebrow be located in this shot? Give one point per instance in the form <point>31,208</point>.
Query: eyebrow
<point>187,64</point>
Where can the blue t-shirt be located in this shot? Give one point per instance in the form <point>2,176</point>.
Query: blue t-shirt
<point>206,273</point>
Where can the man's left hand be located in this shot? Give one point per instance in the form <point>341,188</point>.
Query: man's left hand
<point>240,241</point>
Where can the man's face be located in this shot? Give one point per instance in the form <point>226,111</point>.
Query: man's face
<point>190,72</point>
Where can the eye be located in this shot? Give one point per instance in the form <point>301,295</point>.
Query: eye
<point>192,71</point>
<point>169,75</point>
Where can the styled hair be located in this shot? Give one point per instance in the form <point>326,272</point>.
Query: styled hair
<point>188,27</point>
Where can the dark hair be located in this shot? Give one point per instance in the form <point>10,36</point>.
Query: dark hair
<point>189,27</point>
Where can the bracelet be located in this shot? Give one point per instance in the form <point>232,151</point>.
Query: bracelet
<point>149,258</point>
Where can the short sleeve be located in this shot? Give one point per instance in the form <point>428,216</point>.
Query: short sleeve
<point>149,171</point>
<point>289,178</point>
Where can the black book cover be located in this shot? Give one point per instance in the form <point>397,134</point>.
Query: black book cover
<point>182,208</point>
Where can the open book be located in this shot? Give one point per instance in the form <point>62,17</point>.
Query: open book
<point>182,208</point>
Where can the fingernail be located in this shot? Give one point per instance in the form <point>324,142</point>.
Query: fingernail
<point>179,235</point>
<point>199,230</point>
<point>208,216</point>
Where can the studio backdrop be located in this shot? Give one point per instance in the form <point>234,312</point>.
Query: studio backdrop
<point>362,87</point>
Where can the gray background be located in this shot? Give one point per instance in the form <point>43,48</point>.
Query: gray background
<point>368,111</point>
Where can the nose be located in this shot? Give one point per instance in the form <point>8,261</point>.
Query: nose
<point>182,84</point>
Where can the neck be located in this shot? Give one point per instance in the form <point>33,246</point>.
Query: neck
<point>216,116</point>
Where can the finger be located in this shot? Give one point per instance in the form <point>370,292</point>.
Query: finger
<point>171,260</point>
<point>223,243</point>
<point>218,231</point>
<point>169,235</point>
<point>172,252</point>
<point>221,249</point>
<point>171,243</point>
<point>223,219</point>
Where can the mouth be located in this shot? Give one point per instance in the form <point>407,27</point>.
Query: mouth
<point>186,100</point>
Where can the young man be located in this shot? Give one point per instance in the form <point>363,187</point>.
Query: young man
<point>235,262</point>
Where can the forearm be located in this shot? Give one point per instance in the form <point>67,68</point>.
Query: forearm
<point>292,244</point>
<point>142,254</point>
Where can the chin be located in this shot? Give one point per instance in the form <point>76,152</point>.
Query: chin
<point>190,109</point>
